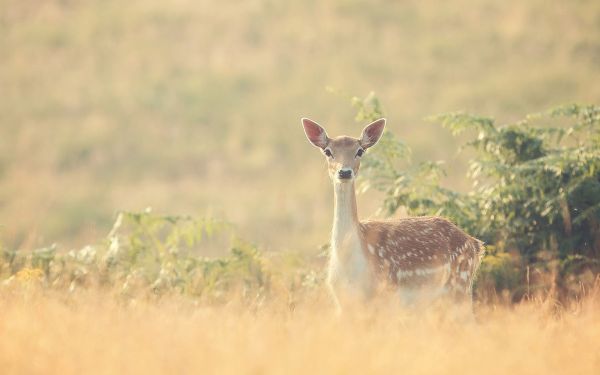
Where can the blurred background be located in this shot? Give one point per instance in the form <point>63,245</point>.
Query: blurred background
<point>193,107</point>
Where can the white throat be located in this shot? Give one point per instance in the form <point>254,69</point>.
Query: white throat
<point>345,236</point>
<point>348,265</point>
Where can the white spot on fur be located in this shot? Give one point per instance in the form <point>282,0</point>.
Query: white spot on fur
<point>401,274</point>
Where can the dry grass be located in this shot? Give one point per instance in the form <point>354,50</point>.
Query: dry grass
<point>92,332</point>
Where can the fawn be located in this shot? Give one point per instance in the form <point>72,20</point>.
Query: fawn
<point>415,256</point>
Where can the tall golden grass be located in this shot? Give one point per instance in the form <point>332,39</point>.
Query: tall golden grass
<point>93,332</point>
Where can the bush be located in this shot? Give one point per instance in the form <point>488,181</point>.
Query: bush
<point>536,184</point>
<point>146,254</point>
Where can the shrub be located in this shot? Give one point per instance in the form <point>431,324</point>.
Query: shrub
<point>536,184</point>
<point>146,254</point>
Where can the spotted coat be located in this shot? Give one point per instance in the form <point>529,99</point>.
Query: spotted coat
<point>422,251</point>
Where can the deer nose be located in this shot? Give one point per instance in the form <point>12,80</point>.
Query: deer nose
<point>345,174</point>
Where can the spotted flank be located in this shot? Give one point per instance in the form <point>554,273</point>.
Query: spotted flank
<point>422,252</point>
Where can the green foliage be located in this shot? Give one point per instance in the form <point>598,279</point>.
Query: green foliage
<point>536,183</point>
<point>150,254</point>
<point>414,187</point>
<point>500,272</point>
<point>533,185</point>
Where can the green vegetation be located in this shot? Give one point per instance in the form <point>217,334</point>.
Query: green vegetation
<point>146,254</point>
<point>536,189</point>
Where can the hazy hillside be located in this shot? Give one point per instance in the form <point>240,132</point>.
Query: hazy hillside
<point>194,106</point>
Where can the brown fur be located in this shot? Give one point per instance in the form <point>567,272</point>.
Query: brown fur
<point>422,243</point>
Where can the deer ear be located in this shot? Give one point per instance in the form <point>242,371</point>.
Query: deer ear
<point>315,133</point>
<point>371,133</point>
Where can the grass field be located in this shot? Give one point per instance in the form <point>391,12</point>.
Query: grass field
<point>92,333</point>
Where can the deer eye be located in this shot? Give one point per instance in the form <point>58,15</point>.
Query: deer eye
<point>360,152</point>
<point>328,153</point>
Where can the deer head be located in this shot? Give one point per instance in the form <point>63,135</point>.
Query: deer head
<point>343,153</point>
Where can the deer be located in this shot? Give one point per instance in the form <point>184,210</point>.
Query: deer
<point>413,256</point>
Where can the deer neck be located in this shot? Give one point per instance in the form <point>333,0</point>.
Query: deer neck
<point>346,236</point>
